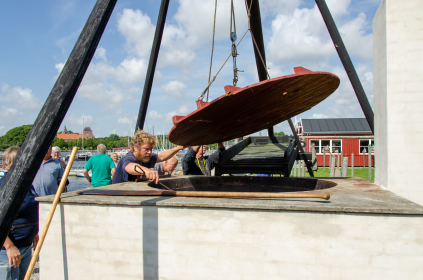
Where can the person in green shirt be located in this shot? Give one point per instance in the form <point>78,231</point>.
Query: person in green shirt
<point>102,166</point>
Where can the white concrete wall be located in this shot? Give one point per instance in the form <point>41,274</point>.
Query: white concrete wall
<point>109,242</point>
<point>398,81</point>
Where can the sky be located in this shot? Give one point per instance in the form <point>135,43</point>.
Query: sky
<point>37,37</point>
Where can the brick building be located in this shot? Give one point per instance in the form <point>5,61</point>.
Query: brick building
<point>65,135</point>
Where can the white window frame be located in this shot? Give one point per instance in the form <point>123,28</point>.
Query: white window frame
<point>371,142</point>
<point>320,145</point>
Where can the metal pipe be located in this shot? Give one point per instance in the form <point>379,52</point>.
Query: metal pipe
<point>257,33</point>
<point>346,61</point>
<point>28,160</point>
<point>152,64</point>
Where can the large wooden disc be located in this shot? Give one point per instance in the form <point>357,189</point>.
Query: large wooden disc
<point>242,111</point>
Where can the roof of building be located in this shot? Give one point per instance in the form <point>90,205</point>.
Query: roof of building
<point>65,137</point>
<point>338,126</point>
<point>87,128</point>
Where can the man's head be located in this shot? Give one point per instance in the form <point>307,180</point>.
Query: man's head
<point>55,152</point>
<point>201,151</point>
<point>142,145</point>
<point>170,164</point>
<point>9,156</point>
<point>101,149</point>
<point>48,154</point>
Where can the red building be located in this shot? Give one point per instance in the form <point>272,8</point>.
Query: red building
<point>65,135</point>
<point>338,136</point>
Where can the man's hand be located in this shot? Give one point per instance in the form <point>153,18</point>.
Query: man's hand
<point>195,148</point>
<point>151,175</point>
<point>14,256</point>
<point>35,241</point>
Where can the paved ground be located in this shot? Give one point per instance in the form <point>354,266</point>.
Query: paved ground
<point>36,273</point>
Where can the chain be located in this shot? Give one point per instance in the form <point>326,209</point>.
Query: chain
<point>234,51</point>
<point>211,57</point>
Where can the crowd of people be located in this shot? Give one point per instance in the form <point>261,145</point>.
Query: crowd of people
<point>137,165</point>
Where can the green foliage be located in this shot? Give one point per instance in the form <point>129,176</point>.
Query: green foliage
<point>113,137</point>
<point>280,133</point>
<point>15,136</point>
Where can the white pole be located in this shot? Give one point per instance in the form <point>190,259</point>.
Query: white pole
<point>82,134</point>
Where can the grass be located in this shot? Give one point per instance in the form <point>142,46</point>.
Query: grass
<point>359,172</point>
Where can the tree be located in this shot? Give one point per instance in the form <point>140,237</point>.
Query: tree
<point>280,133</point>
<point>114,137</point>
<point>15,136</point>
<point>61,143</point>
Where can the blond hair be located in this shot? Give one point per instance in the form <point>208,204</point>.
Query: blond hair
<point>10,155</point>
<point>113,155</point>
<point>140,137</point>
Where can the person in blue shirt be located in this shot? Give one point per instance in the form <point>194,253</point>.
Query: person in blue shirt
<point>16,249</point>
<point>48,177</point>
<point>140,160</point>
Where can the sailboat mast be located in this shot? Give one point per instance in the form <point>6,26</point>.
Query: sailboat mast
<point>82,133</point>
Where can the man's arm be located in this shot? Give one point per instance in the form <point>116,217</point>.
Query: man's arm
<point>86,175</point>
<point>168,154</point>
<point>138,169</point>
<point>113,172</point>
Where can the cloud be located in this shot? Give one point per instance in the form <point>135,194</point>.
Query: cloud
<point>138,31</point>
<point>302,36</point>
<point>182,110</point>
<point>153,115</point>
<point>85,120</point>
<point>100,53</point>
<point>22,96</point>
<point>8,113</point>
<point>174,89</point>
<point>123,121</point>
<point>318,116</point>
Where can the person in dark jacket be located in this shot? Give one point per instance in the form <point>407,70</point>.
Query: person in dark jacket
<point>194,163</point>
<point>16,249</point>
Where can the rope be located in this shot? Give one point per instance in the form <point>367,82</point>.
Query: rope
<point>211,57</point>
<point>214,77</point>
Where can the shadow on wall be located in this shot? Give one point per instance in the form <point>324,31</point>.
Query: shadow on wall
<point>64,251</point>
<point>150,239</point>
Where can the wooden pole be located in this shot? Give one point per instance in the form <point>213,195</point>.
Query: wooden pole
<point>369,159</point>
<point>50,214</point>
<point>324,160</point>
<point>346,62</point>
<point>149,78</point>
<point>332,166</point>
<point>203,194</point>
<point>345,167</point>
<point>28,160</point>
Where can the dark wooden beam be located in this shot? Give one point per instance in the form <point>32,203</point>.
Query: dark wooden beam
<point>20,176</point>
<point>346,61</point>
<point>152,64</point>
<point>297,140</point>
<point>257,33</point>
